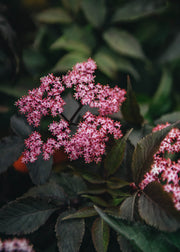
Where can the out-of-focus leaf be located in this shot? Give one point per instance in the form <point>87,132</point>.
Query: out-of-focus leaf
<point>69,233</point>
<point>100,235</point>
<point>25,215</point>
<point>124,244</point>
<point>172,52</point>
<point>11,148</point>
<point>143,237</point>
<point>138,9</point>
<point>12,91</point>
<point>53,16</point>
<point>110,63</point>
<point>106,64</point>
<point>70,45</point>
<point>130,108</point>
<point>114,158</point>
<point>116,183</point>
<point>161,101</point>
<point>124,43</point>
<point>94,11</point>
<point>40,170</point>
<point>145,149</point>
<point>157,209</point>
<point>20,126</point>
<point>171,118</point>
<point>68,61</point>
<point>82,213</point>
<point>173,238</point>
<point>72,5</point>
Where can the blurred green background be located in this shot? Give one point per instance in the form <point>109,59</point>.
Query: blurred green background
<point>139,38</point>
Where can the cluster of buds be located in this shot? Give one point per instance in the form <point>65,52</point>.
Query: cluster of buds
<point>15,245</point>
<point>93,131</point>
<point>164,170</point>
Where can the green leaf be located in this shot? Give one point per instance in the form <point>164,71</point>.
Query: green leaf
<point>116,183</point>
<point>172,52</point>
<point>12,91</point>
<point>100,235</point>
<point>130,108</point>
<point>143,237</point>
<point>173,238</point>
<point>138,9</point>
<point>94,11</point>
<point>106,64</point>
<point>54,16</point>
<point>72,5</point>
<point>114,158</point>
<point>72,184</point>
<point>49,191</point>
<point>124,43</point>
<point>171,118</point>
<point>96,200</point>
<point>85,212</point>
<point>110,63</point>
<point>71,45</point>
<point>145,149</point>
<point>157,208</point>
<point>127,208</point>
<point>161,101</point>
<point>40,170</point>
<point>11,148</point>
<point>68,61</point>
<point>69,233</point>
<point>20,126</point>
<point>24,216</point>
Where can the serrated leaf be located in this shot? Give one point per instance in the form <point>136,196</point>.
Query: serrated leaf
<point>116,183</point>
<point>172,52</point>
<point>145,238</point>
<point>94,11</point>
<point>70,45</point>
<point>20,126</point>
<point>49,191</point>
<point>127,208</point>
<point>24,216</point>
<point>54,16</point>
<point>11,148</point>
<point>171,118</point>
<point>124,43</point>
<point>100,235</point>
<point>138,9</point>
<point>157,209</point>
<point>96,200</point>
<point>72,184</point>
<point>85,212</point>
<point>40,170</point>
<point>69,233</point>
<point>130,108</point>
<point>114,158</point>
<point>145,149</point>
<point>68,61</point>
<point>161,101</point>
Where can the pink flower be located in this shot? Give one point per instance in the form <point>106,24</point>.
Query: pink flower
<point>16,245</point>
<point>164,170</point>
<point>91,136</point>
<point>92,133</point>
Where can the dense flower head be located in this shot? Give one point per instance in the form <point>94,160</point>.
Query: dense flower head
<point>43,100</point>
<point>164,170</point>
<point>93,130</point>
<point>15,245</point>
<point>91,136</point>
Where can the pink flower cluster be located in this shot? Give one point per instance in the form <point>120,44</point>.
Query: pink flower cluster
<point>164,170</point>
<point>92,132</point>
<point>15,245</point>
